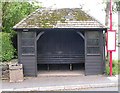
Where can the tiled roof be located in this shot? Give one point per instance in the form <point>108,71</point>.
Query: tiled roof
<point>79,24</point>
<point>59,18</point>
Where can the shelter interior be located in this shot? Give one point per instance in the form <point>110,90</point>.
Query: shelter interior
<point>60,49</point>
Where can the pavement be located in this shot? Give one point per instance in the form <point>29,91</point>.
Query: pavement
<point>45,82</point>
<point>100,89</point>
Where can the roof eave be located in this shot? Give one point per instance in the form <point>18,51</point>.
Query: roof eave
<point>36,29</point>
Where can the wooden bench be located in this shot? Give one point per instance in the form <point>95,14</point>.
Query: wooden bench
<point>60,58</point>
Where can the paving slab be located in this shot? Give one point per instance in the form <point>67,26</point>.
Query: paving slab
<point>61,73</point>
<point>61,82</point>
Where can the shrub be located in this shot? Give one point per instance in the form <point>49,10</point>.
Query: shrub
<point>107,70</point>
<point>118,66</point>
<point>6,49</point>
<point>114,68</point>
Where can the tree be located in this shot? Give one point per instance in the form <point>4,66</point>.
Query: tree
<point>13,12</point>
<point>117,5</point>
<point>118,9</point>
<point>107,8</point>
<point>107,13</point>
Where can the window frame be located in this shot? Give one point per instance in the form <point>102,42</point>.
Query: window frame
<point>28,46</point>
<point>93,45</point>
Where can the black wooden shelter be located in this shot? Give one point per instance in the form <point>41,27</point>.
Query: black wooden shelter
<point>61,36</point>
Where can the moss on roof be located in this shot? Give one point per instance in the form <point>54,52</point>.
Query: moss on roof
<point>48,18</point>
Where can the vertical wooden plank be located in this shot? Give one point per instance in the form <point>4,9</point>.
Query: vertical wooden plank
<point>35,52</point>
<point>93,66</point>
<point>101,48</point>
<point>28,60</point>
<point>85,51</point>
<point>19,45</point>
<point>103,51</point>
<point>104,59</point>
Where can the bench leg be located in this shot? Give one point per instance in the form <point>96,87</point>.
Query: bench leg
<point>70,66</point>
<point>48,67</point>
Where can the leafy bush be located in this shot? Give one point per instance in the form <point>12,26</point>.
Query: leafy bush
<point>6,49</point>
<point>118,66</point>
<point>107,70</point>
<point>115,65</point>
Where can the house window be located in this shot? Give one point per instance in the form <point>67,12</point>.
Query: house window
<point>28,43</point>
<point>93,46</point>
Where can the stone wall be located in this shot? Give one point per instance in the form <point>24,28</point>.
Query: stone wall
<point>5,71</point>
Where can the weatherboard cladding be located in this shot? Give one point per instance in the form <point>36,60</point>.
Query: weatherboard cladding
<point>59,18</point>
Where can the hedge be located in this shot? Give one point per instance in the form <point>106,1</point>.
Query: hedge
<point>115,69</point>
<point>6,48</point>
